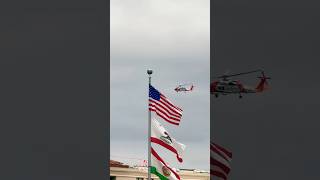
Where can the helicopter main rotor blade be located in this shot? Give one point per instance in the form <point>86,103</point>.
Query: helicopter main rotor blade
<point>238,74</point>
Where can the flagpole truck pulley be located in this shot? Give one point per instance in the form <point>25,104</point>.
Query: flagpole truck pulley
<point>149,72</point>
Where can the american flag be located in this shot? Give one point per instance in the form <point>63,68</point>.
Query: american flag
<point>219,162</point>
<point>163,107</point>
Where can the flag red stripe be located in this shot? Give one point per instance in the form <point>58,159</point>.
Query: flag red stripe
<point>176,112</point>
<point>214,149</point>
<point>163,117</point>
<point>155,154</point>
<point>166,119</point>
<point>225,168</point>
<point>219,160</point>
<point>164,113</point>
<point>165,100</point>
<point>218,169</point>
<point>219,174</point>
<point>172,149</point>
<point>228,153</point>
<point>165,109</point>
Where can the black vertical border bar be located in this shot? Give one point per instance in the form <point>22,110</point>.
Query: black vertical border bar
<point>54,92</point>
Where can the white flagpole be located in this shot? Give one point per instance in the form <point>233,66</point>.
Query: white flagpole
<point>149,71</point>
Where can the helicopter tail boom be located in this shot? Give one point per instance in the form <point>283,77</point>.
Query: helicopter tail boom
<point>263,83</point>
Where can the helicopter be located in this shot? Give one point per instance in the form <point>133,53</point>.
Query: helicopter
<point>225,86</point>
<point>184,88</point>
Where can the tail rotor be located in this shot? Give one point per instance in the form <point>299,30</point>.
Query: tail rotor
<point>263,84</point>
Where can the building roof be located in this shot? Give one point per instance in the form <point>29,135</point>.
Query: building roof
<point>113,163</point>
<point>133,173</point>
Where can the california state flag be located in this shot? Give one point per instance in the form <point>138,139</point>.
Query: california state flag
<point>161,169</point>
<point>160,136</point>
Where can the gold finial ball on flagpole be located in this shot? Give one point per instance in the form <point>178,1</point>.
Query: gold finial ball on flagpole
<point>149,71</point>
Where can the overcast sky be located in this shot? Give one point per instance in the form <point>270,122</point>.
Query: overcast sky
<point>173,39</point>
